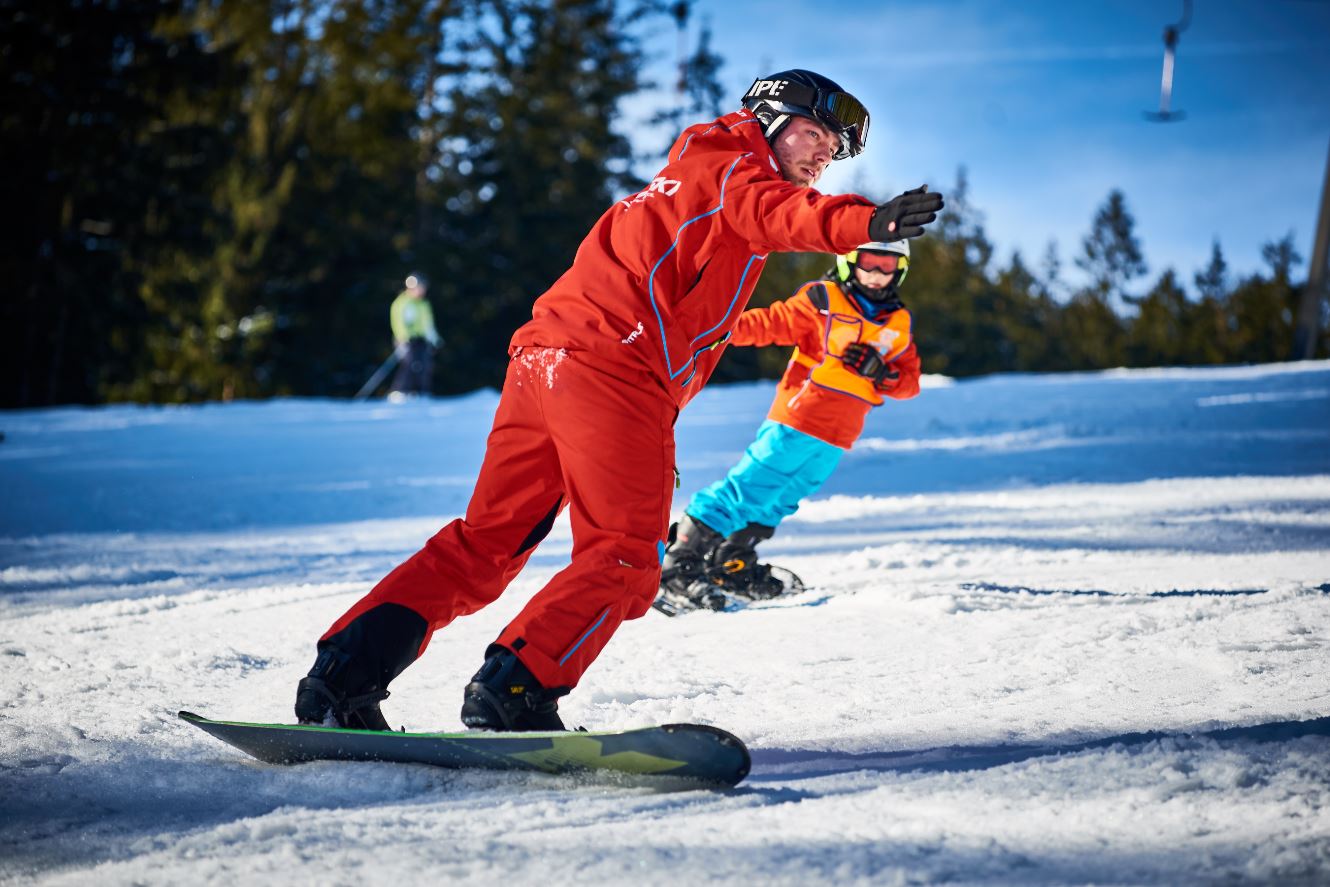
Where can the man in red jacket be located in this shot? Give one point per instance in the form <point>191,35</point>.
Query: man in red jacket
<point>619,343</point>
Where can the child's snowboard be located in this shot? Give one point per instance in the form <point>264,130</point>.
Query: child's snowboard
<point>688,751</point>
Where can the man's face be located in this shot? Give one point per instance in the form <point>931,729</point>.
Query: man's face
<point>803,149</point>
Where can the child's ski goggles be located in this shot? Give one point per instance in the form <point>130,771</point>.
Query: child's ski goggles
<point>887,264</point>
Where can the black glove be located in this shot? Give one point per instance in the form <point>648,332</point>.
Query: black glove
<point>865,360</point>
<point>904,216</point>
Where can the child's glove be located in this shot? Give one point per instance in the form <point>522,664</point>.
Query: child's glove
<point>888,381</point>
<point>867,362</point>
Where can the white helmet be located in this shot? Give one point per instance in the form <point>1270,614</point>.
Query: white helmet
<point>845,264</point>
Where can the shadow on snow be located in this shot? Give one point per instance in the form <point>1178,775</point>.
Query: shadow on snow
<point>781,765</point>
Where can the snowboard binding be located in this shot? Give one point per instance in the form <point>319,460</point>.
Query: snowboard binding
<point>322,697</point>
<point>504,695</point>
<point>703,570</point>
<point>700,594</point>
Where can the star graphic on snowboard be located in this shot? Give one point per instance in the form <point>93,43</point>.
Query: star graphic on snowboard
<point>566,752</point>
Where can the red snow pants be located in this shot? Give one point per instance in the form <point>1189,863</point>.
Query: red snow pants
<point>571,431</point>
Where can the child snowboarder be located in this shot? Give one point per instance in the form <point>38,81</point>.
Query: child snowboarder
<point>854,348</point>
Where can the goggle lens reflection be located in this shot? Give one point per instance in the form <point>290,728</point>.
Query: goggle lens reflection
<point>883,264</point>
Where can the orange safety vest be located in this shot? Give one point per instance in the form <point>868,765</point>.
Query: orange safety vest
<point>845,325</point>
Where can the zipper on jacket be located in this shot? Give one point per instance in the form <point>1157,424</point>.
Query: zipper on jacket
<point>693,360</point>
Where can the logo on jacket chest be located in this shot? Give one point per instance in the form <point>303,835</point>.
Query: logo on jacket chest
<point>632,337</point>
<point>885,340</point>
<point>659,185</point>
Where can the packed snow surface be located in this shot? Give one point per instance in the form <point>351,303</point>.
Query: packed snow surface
<point>1060,629</point>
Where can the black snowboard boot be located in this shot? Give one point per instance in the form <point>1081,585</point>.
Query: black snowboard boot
<point>323,697</point>
<point>351,674</point>
<point>735,568</point>
<point>504,695</point>
<point>683,569</point>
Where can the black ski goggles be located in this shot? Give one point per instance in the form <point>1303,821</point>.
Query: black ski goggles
<point>839,111</point>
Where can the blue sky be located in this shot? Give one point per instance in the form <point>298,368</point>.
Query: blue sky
<point>1042,103</point>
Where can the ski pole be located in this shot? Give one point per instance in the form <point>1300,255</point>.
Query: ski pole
<point>379,375</point>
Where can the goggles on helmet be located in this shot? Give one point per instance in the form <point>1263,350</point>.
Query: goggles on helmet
<point>839,111</point>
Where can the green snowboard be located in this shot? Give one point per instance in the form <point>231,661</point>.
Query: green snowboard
<point>687,751</point>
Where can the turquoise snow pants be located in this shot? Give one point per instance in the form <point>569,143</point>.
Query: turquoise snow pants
<point>778,470</point>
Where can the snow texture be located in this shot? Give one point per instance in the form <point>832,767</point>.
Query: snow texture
<point>1061,629</point>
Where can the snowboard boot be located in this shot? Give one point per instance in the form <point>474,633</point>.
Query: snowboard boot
<point>683,569</point>
<point>504,695</point>
<point>351,674</point>
<point>735,568</point>
<point>336,693</point>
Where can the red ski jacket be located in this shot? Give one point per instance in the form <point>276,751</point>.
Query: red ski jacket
<point>660,280</point>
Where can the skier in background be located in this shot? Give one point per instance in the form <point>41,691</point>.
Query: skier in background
<point>855,347</point>
<point>415,339</point>
<point>619,343</point>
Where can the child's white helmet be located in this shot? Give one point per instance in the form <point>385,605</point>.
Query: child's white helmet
<point>845,264</point>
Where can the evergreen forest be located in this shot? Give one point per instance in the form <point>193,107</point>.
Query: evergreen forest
<point>218,199</point>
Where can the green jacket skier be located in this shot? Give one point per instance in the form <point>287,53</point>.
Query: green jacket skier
<point>414,337</point>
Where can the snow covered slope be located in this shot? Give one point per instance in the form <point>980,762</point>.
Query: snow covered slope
<point>1062,629</point>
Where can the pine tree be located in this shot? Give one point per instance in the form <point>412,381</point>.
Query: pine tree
<point>530,160</point>
<point>1049,281</point>
<point>1158,334</point>
<point>702,78</point>
<point>96,180</point>
<point>1212,283</point>
<point>952,300</point>
<point>698,92</point>
<point>1026,312</point>
<point>307,208</point>
<point>358,219</point>
<point>1261,310</point>
<point>1205,335</point>
<point>1092,335</point>
<point>1111,254</point>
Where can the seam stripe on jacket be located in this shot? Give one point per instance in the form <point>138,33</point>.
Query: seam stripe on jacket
<point>689,140</point>
<point>733,300</point>
<point>651,278</point>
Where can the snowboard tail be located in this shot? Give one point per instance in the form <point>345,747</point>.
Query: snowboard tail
<point>687,751</point>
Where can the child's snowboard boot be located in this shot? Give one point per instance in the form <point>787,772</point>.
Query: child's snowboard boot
<point>735,568</point>
<point>683,570</point>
